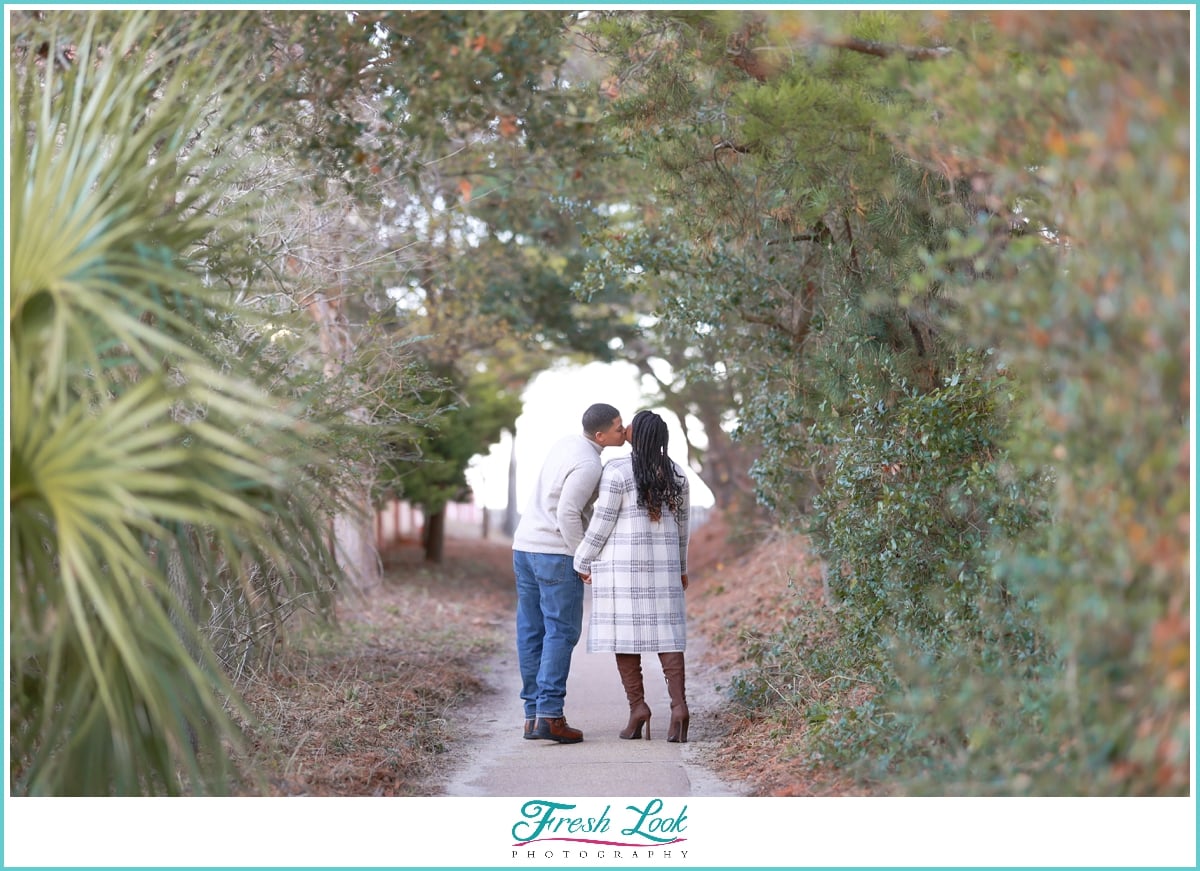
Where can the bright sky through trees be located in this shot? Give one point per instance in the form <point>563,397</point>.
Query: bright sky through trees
<point>554,402</point>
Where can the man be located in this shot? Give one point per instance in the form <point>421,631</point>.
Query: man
<point>549,592</point>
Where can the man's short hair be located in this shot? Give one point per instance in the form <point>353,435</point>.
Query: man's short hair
<point>598,418</point>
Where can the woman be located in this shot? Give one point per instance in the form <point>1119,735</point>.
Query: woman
<point>634,554</point>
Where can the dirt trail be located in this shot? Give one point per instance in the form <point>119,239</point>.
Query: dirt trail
<point>497,761</point>
<point>414,691</point>
<point>731,592</point>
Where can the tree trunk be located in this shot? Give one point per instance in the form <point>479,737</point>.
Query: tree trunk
<point>435,535</point>
<point>726,468</point>
<point>355,547</point>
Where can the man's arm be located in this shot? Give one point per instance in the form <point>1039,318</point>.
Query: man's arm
<point>577,491</point>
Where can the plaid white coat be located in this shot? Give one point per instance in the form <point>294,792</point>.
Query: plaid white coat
<point>635,563</point>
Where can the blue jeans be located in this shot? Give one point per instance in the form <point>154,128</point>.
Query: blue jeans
<point>549,622</point>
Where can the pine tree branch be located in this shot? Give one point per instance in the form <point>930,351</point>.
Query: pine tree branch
<point>739,149</point>
<point>822,235</point>
<point>880,49</point>
<point>798,237</point>
<point>854,267</point>
<point>742,56</point>
<point>799,321</point>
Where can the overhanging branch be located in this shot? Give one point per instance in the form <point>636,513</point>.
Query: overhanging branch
<point>881,49</point>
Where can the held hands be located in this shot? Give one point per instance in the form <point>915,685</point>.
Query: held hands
<point>587,579</point>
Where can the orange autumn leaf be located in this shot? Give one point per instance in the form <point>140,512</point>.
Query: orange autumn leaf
<point>464,190</point>
<point>1057,143</point>
<point>508,125</point>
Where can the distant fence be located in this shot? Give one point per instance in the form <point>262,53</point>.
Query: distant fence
<point>402,521</point>
<point>398,521</point>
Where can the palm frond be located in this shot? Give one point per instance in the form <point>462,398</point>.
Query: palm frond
<point>153,478</point>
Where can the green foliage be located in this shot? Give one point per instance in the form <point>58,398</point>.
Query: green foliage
<point>1011,554</point>
<point>785,229</point>
<point>432,470</point>
<point>923,500</point>
<point>919,495</point>
<point>153,478</point>
<point>1086,119</point>
<point>454,137</point>
<point>432,79</point>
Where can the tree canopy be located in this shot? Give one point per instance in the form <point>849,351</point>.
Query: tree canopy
<point>900,242</point>
<point>920,277</point>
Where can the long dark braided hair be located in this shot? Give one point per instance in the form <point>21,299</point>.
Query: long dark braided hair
<point>653,472</point>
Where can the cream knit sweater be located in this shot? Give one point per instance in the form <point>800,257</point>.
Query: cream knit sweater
<point>561,506</point>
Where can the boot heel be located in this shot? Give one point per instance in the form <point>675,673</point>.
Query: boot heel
<point>638,717</point>
<point>673,671</point>
<point>677,731</point>
<point>629,666</point>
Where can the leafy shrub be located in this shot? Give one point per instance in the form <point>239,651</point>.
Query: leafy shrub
<point>921,498</point>
<point>918,493</point>
<point>1091,312</point>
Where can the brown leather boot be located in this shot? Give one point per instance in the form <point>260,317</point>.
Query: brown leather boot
<point>629,666</point>
<point>556,729</point>
<point>672,666</point>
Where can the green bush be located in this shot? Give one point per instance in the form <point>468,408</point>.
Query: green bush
<point>921,499</point>
<point>1091,313</point>
<point>918,493</point>
<point>1010,655</point>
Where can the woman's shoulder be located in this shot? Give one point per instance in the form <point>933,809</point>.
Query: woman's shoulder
<point>621,467</point>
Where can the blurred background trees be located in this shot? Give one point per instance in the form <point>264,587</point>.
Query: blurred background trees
<point>916,282</point>
<point>904,244</point>
<point>1072,128</point>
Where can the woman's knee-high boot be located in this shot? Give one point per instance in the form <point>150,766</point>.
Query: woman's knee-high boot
<point>629,665</point>
<point>672,666</point>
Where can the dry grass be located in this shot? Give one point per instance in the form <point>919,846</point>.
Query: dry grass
<point>366,707</point>
<point>735,599</point>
